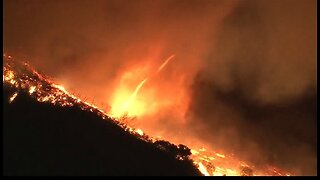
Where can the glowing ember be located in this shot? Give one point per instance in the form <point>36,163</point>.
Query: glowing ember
<point>32,89</point>
<point>220,155</point>
<point>9,76</point>
<point>13,97</point>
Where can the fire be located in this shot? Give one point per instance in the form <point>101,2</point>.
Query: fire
<point>32,89</point>
<point>129,106</point>
<point>13,97</point>
<point>220,155</point>
<point>203,169</point>
<point>165,63</point>
<point>126,104</point>
<point>140,132</point>
<point>9,76</point>
<point>208,161</point>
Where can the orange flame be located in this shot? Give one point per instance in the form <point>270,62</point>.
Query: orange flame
<point>13,97</point>
<point>203,169</point>
<point>129,105</point>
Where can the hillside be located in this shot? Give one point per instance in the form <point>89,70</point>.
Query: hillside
<point>41,138</point>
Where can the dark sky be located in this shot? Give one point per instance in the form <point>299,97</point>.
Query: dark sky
<point>247,67</point>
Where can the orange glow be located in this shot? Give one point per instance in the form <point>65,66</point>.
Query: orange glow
<point>140,132</point>
<point>165,63</point>
<point>125,103</point>
<point>9,76</point>
<point>32,89</point>
<point>208,161</point>
<point>220,155</point>
<point>203,169</point>
<point>13,97</point>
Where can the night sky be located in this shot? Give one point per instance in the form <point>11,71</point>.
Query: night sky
<point>248,67</point>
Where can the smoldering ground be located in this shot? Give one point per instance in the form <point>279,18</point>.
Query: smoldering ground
<point>248,68</point>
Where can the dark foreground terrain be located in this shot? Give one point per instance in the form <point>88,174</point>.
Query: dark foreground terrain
<point>43,139</point>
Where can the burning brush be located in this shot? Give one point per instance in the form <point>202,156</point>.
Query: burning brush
<point>22,77</point>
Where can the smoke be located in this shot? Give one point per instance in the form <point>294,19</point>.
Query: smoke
<point>93,47</point>
<point>244,71</point>
<point>257,92</point>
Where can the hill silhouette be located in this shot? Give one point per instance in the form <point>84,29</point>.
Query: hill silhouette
<point>40,138</point>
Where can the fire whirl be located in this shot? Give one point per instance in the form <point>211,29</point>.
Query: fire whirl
<point>130,106</point>
<point>24,78</point>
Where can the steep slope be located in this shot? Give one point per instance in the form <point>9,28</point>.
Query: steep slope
<point>50,131</point>
<point>41,138</point>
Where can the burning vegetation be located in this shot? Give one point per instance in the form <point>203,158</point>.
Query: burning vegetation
<point>23,78</point>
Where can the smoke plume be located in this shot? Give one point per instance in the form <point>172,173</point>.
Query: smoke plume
<point>243,77</point>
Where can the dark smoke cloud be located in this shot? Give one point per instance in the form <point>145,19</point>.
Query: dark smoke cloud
<point>257,93</point>
<point>250,66</point>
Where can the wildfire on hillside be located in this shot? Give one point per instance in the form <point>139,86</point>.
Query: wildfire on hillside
<point>23,77</point>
